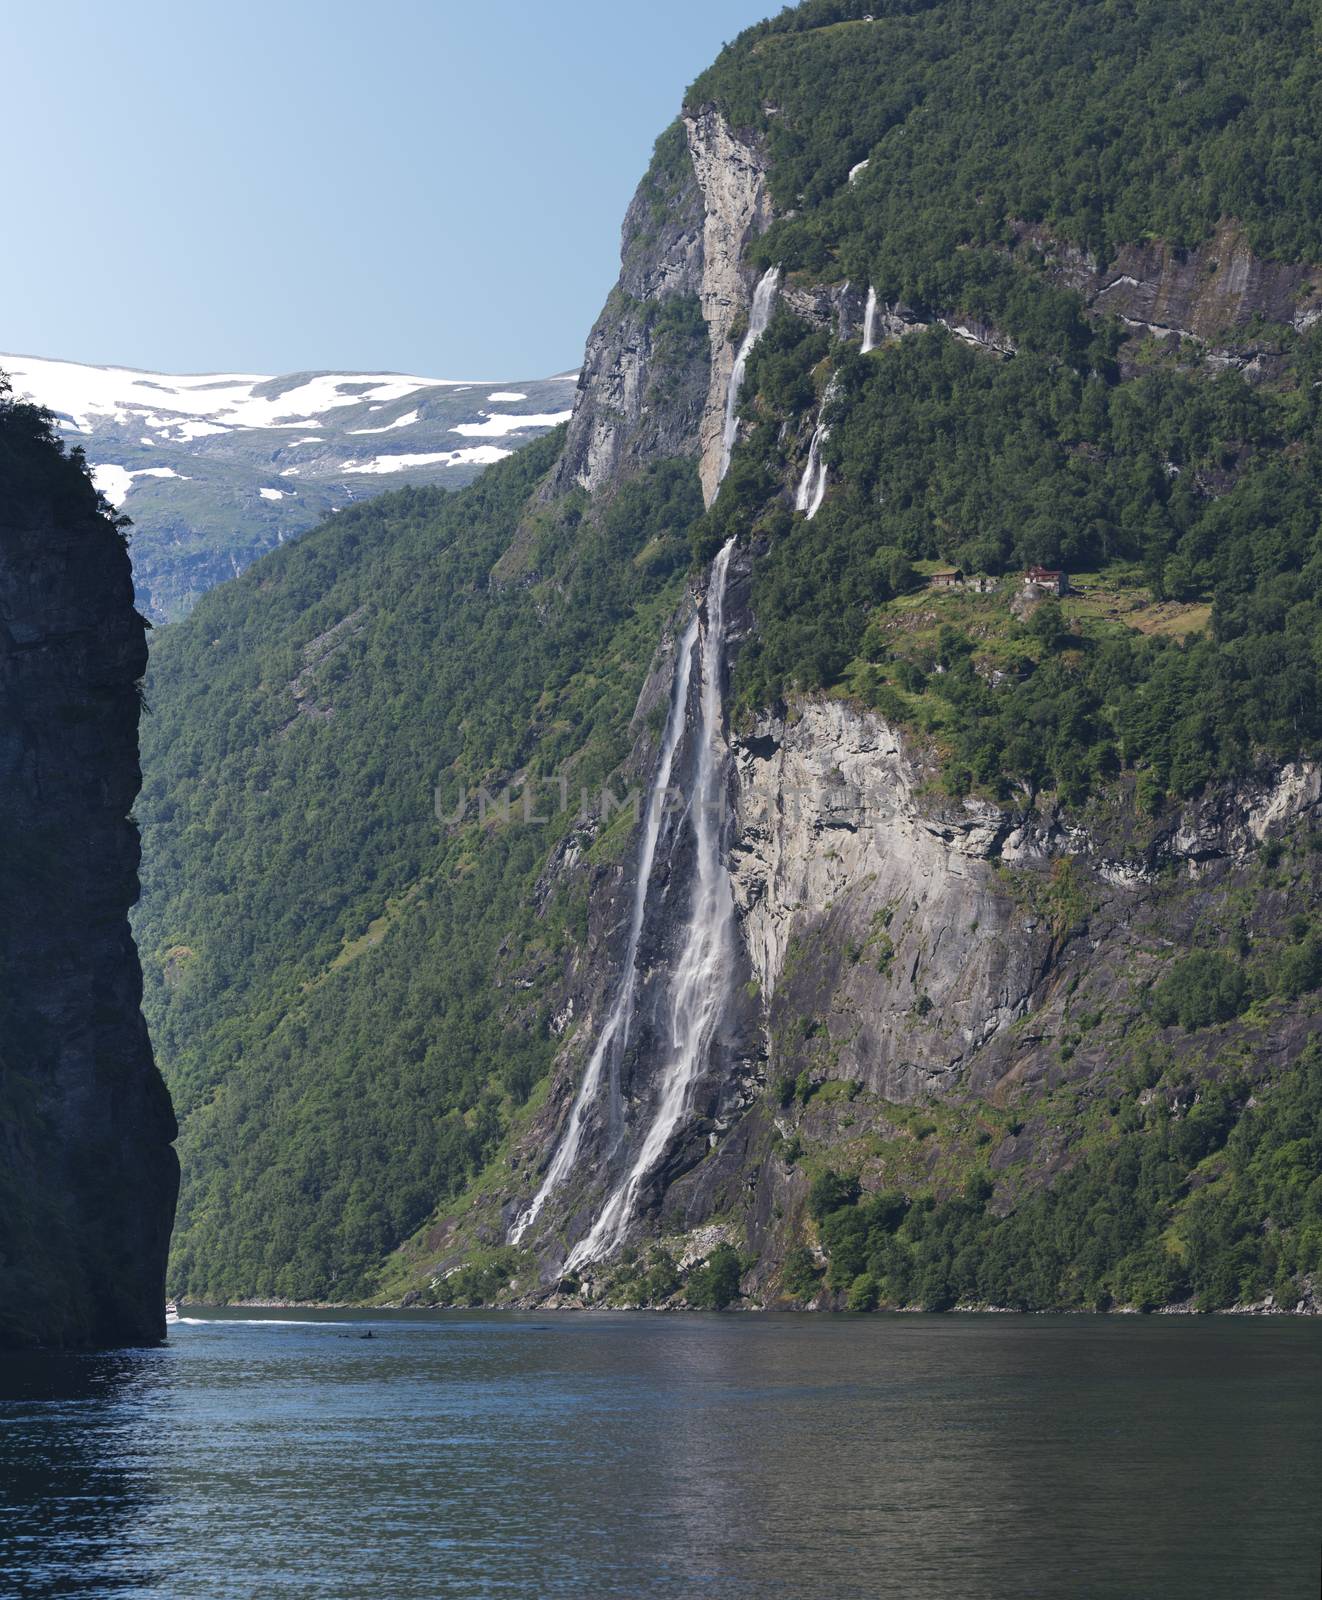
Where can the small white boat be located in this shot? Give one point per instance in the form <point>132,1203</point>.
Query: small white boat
<point>171,1311</point>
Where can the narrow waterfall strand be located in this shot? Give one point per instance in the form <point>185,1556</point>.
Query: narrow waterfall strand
<point>819,488</point>
<point>812,485</point>
<point>764,298</point>
<point>807,489</point>
<point>703,960</point>
<point>870,322</point>
<point>615,1034</point>
<point>700,983</point>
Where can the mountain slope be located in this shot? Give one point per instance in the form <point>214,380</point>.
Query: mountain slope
<point>216,468</point>
<point>1021,999</point>
<point>304,719</point>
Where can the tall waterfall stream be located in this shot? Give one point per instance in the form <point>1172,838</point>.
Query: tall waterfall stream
<point>812,485</point>
<point>698,987</point>
<point>870,322</point>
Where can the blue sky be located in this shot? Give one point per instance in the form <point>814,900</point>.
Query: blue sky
<point>418,185</point>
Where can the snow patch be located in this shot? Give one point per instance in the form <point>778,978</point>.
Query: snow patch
<point>275,494</point>
<point>115,481</point>
<point>83,395</point>
<point>406,421</point>
<point>483,454</point>
<point>500,423</point>
<point>507,395</point>
<point>188,431</point>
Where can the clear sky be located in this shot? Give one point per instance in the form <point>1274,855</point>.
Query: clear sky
<point>415,185</point>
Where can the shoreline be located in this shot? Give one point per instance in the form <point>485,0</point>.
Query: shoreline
<point>1263,1309</point>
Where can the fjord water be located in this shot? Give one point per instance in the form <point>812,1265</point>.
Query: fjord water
<point>735,1456</point>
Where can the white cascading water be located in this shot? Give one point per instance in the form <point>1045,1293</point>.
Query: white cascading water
<point>812,485</point>
<point>764,298</point>
<point>614,1036</point>
<point>870,322</point>
<point>698,989</point>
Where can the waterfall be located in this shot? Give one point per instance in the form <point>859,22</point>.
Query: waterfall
<point>812,485</point>
<point>759,315</point>
<point>698,988</point>
<point>615,1035</point>
<point>870,321</point>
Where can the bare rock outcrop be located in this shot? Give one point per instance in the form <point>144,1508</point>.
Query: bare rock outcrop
<point>736,207</point>
<point>915,931</point>
<point>644,377</point>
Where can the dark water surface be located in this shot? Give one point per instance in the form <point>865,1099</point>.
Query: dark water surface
<point>636,1455</point>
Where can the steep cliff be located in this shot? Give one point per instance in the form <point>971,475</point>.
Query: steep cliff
<point>645,369</point>
<point>914,947</point>
<point>86,1166</point>
<point>1017,893</point>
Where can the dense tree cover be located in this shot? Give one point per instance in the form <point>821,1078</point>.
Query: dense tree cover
<point>1108,124</point>
<point>1208,485</point>
<point>34,463</point>
<point>1111,123</point>
<point>1197,1196</point>
<point>715,1284</point>
<point>321,951</point>
<point>1202,988</point>
<point>322,955</point>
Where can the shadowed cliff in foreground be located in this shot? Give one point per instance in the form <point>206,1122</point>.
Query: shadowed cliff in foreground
<point>87,1173</point>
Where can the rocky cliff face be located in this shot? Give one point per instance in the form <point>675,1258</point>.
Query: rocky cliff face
<point>736,206</point>
<point>87,1172</point>
<point>1210,294</point>
<point>644,372</point>
<point>901,952</point>
<point>914,954</point>
<point>836,850</point>
<point>649,387</point>
<point>896,950</point>
<point>917,933</point>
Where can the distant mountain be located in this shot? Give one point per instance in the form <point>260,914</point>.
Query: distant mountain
<point>216,468</point>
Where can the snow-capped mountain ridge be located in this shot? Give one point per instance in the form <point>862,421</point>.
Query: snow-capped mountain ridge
<point>214,468</point>
<point>85,397</point>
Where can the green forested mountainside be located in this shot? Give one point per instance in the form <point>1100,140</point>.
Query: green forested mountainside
<point>1198,488</point>
<point>1163,1210</point>
<point>333,1089</point>
<point>1133,462</point>
<point>351,1001</point>
<point>1112,123</point>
